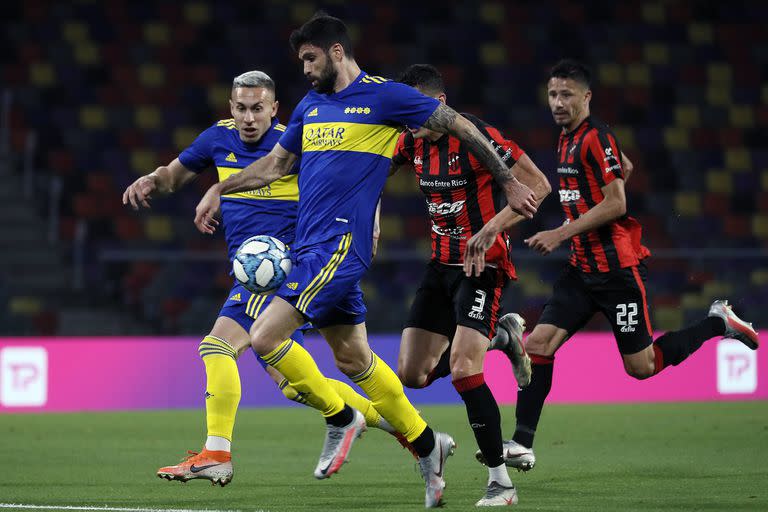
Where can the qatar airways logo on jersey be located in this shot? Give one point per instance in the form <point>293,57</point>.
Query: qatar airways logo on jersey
<point>445,208</point>
<point>323,136</point>
<point>569,196</point>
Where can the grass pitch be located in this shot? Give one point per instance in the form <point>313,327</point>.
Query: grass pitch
<point>693,456</point>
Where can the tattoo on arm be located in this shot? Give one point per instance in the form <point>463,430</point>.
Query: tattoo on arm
<point>445,120</point>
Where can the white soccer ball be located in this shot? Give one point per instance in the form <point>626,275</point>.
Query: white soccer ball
<point>261,264</point>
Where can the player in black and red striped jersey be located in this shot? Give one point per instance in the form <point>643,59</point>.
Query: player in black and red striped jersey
<point>454,315</point>
<point>606,272</point>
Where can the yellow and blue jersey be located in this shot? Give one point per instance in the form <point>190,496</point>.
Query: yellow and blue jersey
<point>346,141</point>
<point>270,210</point>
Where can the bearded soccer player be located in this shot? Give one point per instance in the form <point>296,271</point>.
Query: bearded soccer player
<point>231,145</point>
<point>454,314</point>
<point>345,130</point>
<point>606,272</point>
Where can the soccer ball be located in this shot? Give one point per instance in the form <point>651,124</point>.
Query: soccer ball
<point>261,264</point>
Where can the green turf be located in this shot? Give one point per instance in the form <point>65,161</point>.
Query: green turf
<point>708,456</point>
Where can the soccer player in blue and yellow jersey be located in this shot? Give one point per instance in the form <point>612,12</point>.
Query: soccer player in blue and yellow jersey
<point>231,145</point>
<point>345,130</point>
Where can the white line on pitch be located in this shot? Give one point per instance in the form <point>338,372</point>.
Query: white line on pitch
<point>108,509</point>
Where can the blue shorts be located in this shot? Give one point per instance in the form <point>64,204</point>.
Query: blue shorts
<point>324,284</point>
<point>244,307</point>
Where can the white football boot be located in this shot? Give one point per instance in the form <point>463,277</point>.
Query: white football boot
<point>509,339</point>
<point>515,456</point>
<point>735,328</point>
<point>432,468</point>
<point>338,441</point>
<point>497,495</point>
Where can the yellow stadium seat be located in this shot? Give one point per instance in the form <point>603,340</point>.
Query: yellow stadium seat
<point>676,138</point>
<point>157,33</point>
<point>87,54</point>
<point>42,74</point>
<point>638,74</point>
<point>302,11</point>
<point>197,13</point>
<point>719,95</point>
<point>144,161</point>
<point>93,117</point>
<point>742,116</point>
<point>688,204</point>
<point>656,53</point>
<point>74,32</point>
<point>738,159</point>
<point>184,136</point>
<point>764,179</point>
<point>24,305</point>
<point>158,228</point>
<point>493,54</point>
<point>402,184</point>
<point>610,74</point>
<point>700,33</point>
<point>147,118</point>
<point>626,136</point>
<point>667,318</point>
<point>218,95</point>
<point>764,95</point>
<point>719,181</point>
<point>759,277</point>
<point>492,13</point>
<point>696,300</point>
<point>760,226</point>
<point>151,75</point>
<point>391,227</point>
<point>719,72</point>
<point>687,116</point>
<point>653,13</point>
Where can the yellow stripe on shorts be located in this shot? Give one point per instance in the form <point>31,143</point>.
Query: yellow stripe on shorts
<point>325,275</point>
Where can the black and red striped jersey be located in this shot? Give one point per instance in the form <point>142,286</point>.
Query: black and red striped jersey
<point>588,159</point>
<point>461,193</point>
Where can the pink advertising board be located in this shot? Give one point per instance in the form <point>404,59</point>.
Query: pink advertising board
<point>76,374</point>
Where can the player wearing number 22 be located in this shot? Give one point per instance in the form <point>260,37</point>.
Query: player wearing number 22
<point>606,272</point>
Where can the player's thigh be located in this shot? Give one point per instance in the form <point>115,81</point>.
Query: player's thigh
<point>420,351</point>
<point>476,300</point>
<point>274,325</point>
<point>467,352</point>
<point>622,299</point>
<point>236,317</point>
<point>349,344</point>
<point>229,330</point>
<point>568,310</point>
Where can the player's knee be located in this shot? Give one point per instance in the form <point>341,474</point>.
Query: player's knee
<point>349,365</point>
<point>465,364</point>
<point>539,344</point>
<point>411,377</point>
<point>639,372</point>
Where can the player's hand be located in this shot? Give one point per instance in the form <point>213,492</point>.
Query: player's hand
<point>206,209</point>
<point>140,192</point>
<point>375,246</point>
<point>474,253</point>
<point>545,242</point>
<point>521,199</point>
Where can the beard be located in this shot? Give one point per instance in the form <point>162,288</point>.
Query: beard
<point>327,79</point>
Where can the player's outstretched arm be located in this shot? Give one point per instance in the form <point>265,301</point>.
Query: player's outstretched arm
<point>613,206</point>
<point>164,180</point>
<point>446,120</point>
<point>260,173</point>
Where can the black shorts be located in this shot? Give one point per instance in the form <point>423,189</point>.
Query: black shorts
<point>447,298</point>
<point>619,295</point>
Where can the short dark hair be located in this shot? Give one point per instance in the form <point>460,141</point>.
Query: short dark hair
<point>322,30</point>
<point>573,69</point>
<point>424,76</point>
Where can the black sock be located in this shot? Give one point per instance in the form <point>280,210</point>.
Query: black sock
<point>342,418</point>
<point>675,346</point>
<point>530,400</point>
<point>442,369</point>
<point>483,415</point>
<point>425,443</point>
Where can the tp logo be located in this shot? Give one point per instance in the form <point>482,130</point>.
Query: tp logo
<point>23,376</point>
<point>736,368</point>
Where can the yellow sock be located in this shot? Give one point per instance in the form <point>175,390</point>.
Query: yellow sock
<point>386,393</point>
<point>358,401</point>
<point>296,365</point>
<point>222,394</point>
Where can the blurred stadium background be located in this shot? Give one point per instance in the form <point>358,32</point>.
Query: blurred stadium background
<point>95,94</point>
